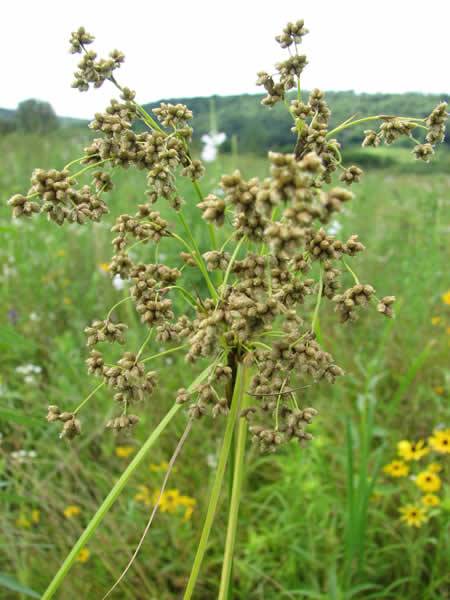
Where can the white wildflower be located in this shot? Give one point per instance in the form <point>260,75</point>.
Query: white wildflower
<point>29,369</point>
<point>118,282</point>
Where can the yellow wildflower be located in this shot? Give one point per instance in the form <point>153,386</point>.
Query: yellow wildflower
<point>189,503</point>
<point>143,495</point>
<point>436,320</point>
<point>67,300</point>
<point>440,441</point>
<point>412,450</point>
<point>439,390</point>
<point>35,516</point>
<point>104,266</point>
<point>72,511</point>
<point>61,253</point>
<point>162,467</point>
<point>430,500</point>
<point>26,519</point>
<point>434,467</point>
<point>83,555</point>
<point>169,500</point>
<point>397,468</point>
<point>124,451</point>
<point>414,516</point>
<point>446,297</point>
<point>428,481</point>
<point>23,522</point>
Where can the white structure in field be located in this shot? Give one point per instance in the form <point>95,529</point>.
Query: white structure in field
<point>211,142</point>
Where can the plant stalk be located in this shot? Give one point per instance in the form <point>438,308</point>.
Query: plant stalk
<point>238,392</point>
<point>225,591</point>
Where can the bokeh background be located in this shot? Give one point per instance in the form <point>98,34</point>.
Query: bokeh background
<point>300,535</point>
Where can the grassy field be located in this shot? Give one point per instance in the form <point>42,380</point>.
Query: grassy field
<point>321,522</point>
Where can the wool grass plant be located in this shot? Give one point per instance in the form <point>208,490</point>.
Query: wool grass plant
<point>271,266</point>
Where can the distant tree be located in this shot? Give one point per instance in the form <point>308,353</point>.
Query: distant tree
<point>7,126</point>
<point>36,116</point>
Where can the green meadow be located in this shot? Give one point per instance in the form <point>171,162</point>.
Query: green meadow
<point>319,522</point>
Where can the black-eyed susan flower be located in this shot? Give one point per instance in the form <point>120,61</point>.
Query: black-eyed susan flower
<point>169,500</point>
<point>72,511</point>
<point>428,481</point>
<point>436,320</point>
<point>440,441</point>
<point>413,515</point>
<point>430,500</point>
<point>412,450</point>
<point>446,297</point>
<point>396,468</point>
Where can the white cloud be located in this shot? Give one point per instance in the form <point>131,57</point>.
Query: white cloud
<point>202,47</point>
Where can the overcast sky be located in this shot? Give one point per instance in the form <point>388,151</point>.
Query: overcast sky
<point>180,48</point>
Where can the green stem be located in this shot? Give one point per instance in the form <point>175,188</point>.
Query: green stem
<point>225,580</point>
<point>101,162</point>
<point>76,160</point>
<point>346,124</point>
<point>211,230</point>
<point>148,119</point>
<point>350,270</point>
<point>116,305</point>
<point>170,351</point>
<point>186,295</point>
<point>88,397</point>
<point>147,339</point>
<point>198,257</point>
<point>107,503</point>
<point>217,485</point>
<point>232,260</point>
<point>319,298</point>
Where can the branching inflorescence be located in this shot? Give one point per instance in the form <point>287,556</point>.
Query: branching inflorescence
<point>274,248</point>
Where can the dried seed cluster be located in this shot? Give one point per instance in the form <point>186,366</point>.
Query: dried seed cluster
<point>392,128</point>
<point>276,255</point>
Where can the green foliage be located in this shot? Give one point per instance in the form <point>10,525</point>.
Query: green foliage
<point>36,116</point>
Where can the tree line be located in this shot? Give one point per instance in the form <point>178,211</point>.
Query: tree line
<point>242,117</point>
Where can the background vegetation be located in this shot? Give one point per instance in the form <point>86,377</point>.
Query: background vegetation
<point>316,523</point>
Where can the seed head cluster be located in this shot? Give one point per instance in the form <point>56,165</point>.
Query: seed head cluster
<point>263,284</point>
